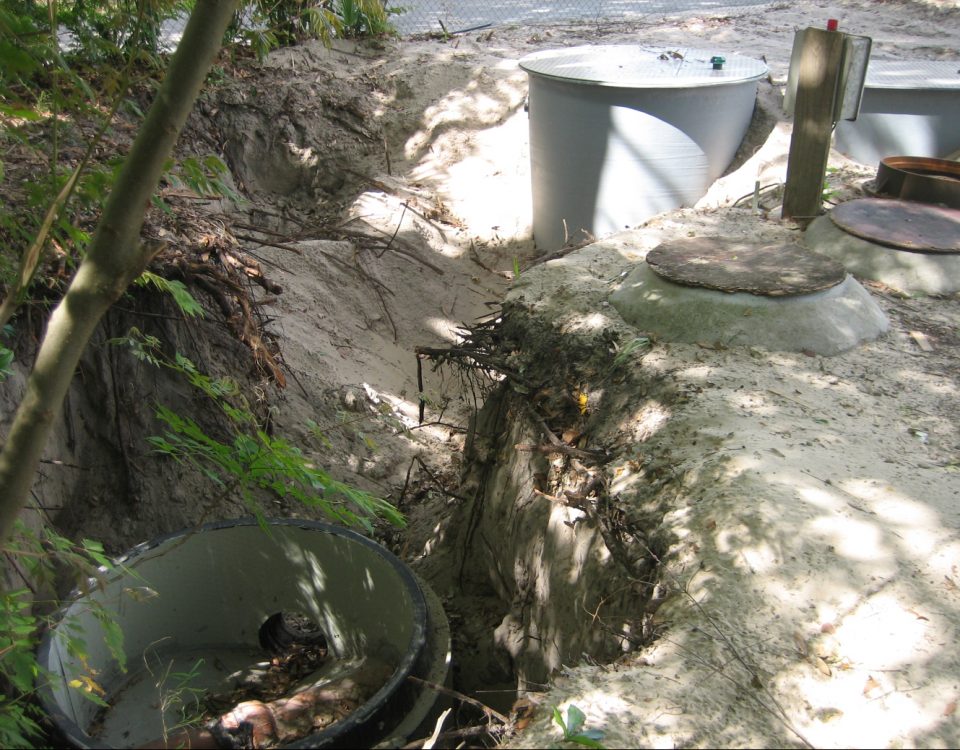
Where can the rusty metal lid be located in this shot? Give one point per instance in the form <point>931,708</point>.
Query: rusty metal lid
<point>905,225</point>
<point>771,270</point>
<point>920,178</point>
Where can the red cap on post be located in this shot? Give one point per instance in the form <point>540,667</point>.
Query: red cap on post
<point>832,24</point>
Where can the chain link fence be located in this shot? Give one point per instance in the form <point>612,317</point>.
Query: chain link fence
<point>455,16</point>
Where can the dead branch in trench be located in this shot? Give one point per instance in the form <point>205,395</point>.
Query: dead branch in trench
<point>473,359</point>
<point>566,249</point>
<point>460,734</point>
<point>562,448</point>
<point>489,712</point>
<point>436,481</point>
<point>268,243</point>
<point>235,304</point>
<point>396,244</point>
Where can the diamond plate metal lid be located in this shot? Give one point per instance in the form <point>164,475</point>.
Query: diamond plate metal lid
<point>915,74</point>
<point>635,66</point>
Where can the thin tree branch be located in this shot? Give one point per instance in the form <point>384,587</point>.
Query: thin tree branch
<point>115,257</point>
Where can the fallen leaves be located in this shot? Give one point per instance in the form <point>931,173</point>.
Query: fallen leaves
<point>871,688</point>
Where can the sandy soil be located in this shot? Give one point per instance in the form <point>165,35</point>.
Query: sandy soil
<point>814,502</point>
<point>815,499</point>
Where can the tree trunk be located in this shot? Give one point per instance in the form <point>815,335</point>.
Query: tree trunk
<point>115,256</point>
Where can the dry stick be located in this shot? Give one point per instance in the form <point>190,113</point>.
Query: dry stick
<point>562,448</point>
<point>12,560</point>
<point>367,276</point>
<point>383,187</point>
<point>432,739</point>
<point>484,362</point>
<point>386,311</point>
<point>556,444</point>
<point>715,668</point>
<point>456,734</point>
<point>837,487</point>
<point>490,712</point>
<point>395,231</point>
<point>249,267</point>
<point>355,268</point>
<point>437,482</point>
<point>797,401</point>
<point>58,462</point>
<point>429,221</point>
<point>406,483</point>
<point>475,257</point>
<point>423,400</point>
<point>266,262</point>
<point>542,423</point>
<point>296,379</point>
<point>402,247</point>
<point>280,245</point>
<point>378,287</point>
<point>386,154</point>
<point>261,230</point>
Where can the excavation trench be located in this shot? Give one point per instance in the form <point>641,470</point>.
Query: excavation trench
<point>551,557</point>
<point>550,554</point>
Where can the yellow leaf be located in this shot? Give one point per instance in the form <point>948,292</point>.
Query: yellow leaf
<point>582,400</point>
<point>91,686</point>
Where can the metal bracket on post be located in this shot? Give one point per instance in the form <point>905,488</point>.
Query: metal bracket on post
<point>825,84</point>
<point>853,76</point>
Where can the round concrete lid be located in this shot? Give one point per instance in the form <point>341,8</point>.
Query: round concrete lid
<point>905,225</point>
<point>635,66</point>
<point>772,270</point>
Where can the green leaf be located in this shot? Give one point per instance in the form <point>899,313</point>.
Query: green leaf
<point>177,289</point>
<point>16,61</point>
<point>558,718</point>
<point>575,719</point>
<point>583,739</point>
<point>95,551</point>
<point>112,635</point>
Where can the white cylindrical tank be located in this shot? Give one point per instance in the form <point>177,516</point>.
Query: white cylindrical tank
<point>620,133</point>
<point>909,108</point>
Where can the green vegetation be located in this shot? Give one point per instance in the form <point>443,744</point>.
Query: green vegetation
<point>39,559</point>
<point>75,79</point>
<point>573,725</point>
<point>176,694</point>
<point>249,459</point>
<point>264,25</point>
